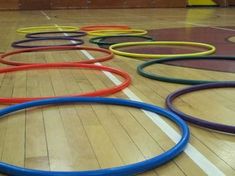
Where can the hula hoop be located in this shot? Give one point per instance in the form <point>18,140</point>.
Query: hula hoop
<point>211,49</point>
<point>99,59</point>
<point>27,30</point>
<point>195,120</point>
<point>103,27</point>
<point>127,170</point>
<point>134,32</point>
<point>70,34</point>
<point>102,92</point>
<point>142,72</point>
<point>17,44</point>
<point>99,40</point>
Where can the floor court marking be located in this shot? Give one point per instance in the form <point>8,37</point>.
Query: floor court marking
<point>204,25</point>
<point>45,14</point>
<point>206,165</point>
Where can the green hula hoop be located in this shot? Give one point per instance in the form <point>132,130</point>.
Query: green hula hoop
<point>142,72</point>
<point>113,48</point>
<point>99,40</point>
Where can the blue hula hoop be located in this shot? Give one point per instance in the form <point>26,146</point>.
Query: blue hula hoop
<point>126,170</point>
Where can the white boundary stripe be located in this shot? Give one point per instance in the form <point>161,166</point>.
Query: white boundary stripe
<point>207,166</point>
<point>44,13</point>
<point>204,25</point>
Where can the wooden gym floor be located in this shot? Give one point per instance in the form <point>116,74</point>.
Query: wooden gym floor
<point>83,137</point>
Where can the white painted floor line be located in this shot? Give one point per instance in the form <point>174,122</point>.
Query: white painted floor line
<point>204,25</point>
<point>44,13</point>
<point>207,166</point>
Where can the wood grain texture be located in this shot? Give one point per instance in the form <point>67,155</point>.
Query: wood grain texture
<point>84,136</point>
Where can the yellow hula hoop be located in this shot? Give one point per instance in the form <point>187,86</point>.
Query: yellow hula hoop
<point>113,48</point>
<point>134,32</point>
<point>46,29</point>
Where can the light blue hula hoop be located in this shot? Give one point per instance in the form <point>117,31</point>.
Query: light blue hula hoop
<point>126,170</point>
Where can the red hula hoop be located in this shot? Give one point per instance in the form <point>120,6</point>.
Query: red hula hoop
<point>103,27</point>
<point>102,92</point>
<point>54,48</point>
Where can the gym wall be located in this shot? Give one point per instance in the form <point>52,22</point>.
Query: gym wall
<point>83,4</point>
<point>222,3</point>
<point>73,4</point>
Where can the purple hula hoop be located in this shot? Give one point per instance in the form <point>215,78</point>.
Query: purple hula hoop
<point>195,120</point>
<point>18,44</point>
<point>72,34</point>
